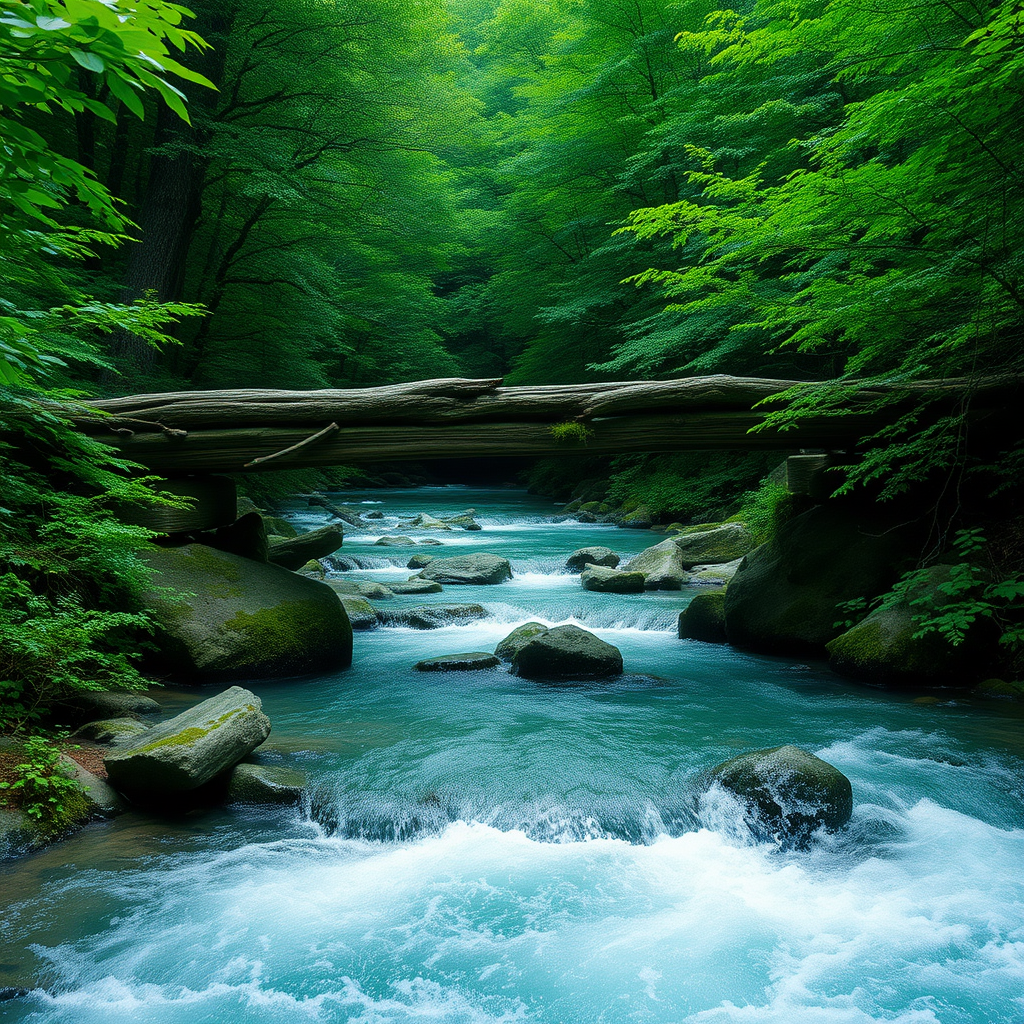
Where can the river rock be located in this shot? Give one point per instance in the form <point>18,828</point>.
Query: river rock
<point>419,561</point>
<point>704,618</point>
<point>566,652</point>
<point>109,731</point>
<point>295,552</point>
<point>790,792</point>
<point>279,527</point>
<point>661,565</point>
<point>432,542</point>
<point>415,586</point>
<point>612,581</point>
<point>424,521</point>
<point>458,662</point>
<point>468,569</point>
<point>784,597</point>
<point>883,649</point>
<point>464,520</point>
<point>220,616</point>
<point>361,614</point>
<point>264,784</point>
<point>714,575</point>
<point>582,557</point>
<point>394,542</point>
<point>88,706</point>
<point>521,635</point>
<point>182,754</point>
<point>101,799</point>
<point>361,588</point>
<point>714,545</point>
<point>431,616</point>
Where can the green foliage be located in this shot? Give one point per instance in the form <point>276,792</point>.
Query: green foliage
<point>43,788</point>
<point>973,592</point>
<point>764,510</point>
<point>571,433</point>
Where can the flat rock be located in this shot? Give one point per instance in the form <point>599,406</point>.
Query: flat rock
<point>182,754</point>
<point>220,616</point>
<point>425,521</point>
<point>361,588</point>
<point>521,635</point>
<point>726,542</point>
<point>612,581</point>
<point>394,542</point>
<point>265,784</point>
<point>415,586</point>
<point>704,618</point>
<point>714,575</point>
<point>458,662</point>
<point>582,557</point>
<point>567,652</point>
<point>468,569</point>
<point>431,616</point>
<point>789,792</point>
<point>295,552</point>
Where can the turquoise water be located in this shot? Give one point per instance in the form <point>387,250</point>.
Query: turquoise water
<point>480,848</point>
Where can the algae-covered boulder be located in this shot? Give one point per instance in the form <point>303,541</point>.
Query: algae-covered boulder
<point>419,561</point>
<point>295,552</point>
<point>717,544</point>
<point>464,521</point>
<point>101,799</point>
<point>786,594</point>
<point>264,784</point>
<point>883,649</point>
<point>471,662</point>
<point>521,635</point>
<point>431,616</point>
<point>612,581</point>
<point>567,652</point>
<point>704,618</point>
<point>182,754</point>
<point>468,569</point>
<point>393,541</point>
<point>789,792</point>
<point>361,614</point>
<point>582,557</point>
<point>662,566</point>
<point>219,616</point>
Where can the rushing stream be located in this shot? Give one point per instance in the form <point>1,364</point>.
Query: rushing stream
<point>478,847</point>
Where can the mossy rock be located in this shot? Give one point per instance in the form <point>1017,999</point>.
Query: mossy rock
<point>1012,688</point>
<point>264,784</point>
<point>109,731</point>
<point>480,568</point>
<point>415,587</point>
<point>714,575</point>
<point>281,528</point>
<point>361,588</point>
<point>521,635</point>
<point>714,545</point>
<point>593,507</point>
<point>785,595</point>
<point>361,614</point>
<point>567,652</point>
<point>661,565</point>
<point>582,557</point>
<point>603,580</point>
<point>704,618</point>
<point>91,705</point>
<point>883,649</point>
<point>789,792</point>
<point>184,753</point>
<point>431,616</point>
<point>220,616</point>
<point>420,561</point>
<point>394,542</point>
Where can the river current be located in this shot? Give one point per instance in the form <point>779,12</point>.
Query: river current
<point>480,848</point>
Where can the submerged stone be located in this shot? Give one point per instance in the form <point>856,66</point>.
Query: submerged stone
<point>264,784</point>
<point>478,568</point>
<point>431,616</point>
<point>458,662</point>
<point>415,586</point>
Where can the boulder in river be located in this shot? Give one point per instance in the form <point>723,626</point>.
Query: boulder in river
<point>458,662</point>
<point>662,566</point>
<point>431,616</point>
<point>785,595</point>
<point>713,575</point>
<point>419,561</point>
<point>704,618</point>
<point>468,569</point>
<point>295,552</point>
<point>219,616</point>
<point>464,520</point>
<point>612,581</point>
<point>582,557</point>
<point>182,754</point>
<point>714,544</point>
<point>264,784</point>
<point>415,586</point>
<point>109,731</point>
<point>392,541</point>
<point>521,635</point>
<point>425,521</point>
<point>567,652</point>
<point>789,792</point>
<point>361,614</point>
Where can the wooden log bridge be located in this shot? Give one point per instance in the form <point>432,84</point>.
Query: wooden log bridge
<point>255,430</point>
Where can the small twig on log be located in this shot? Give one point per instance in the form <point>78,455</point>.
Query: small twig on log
<point>329,429</point>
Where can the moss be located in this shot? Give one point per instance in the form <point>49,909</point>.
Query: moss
<point>273,632</point>
<point>571,433</point>
<point>193,733</point>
